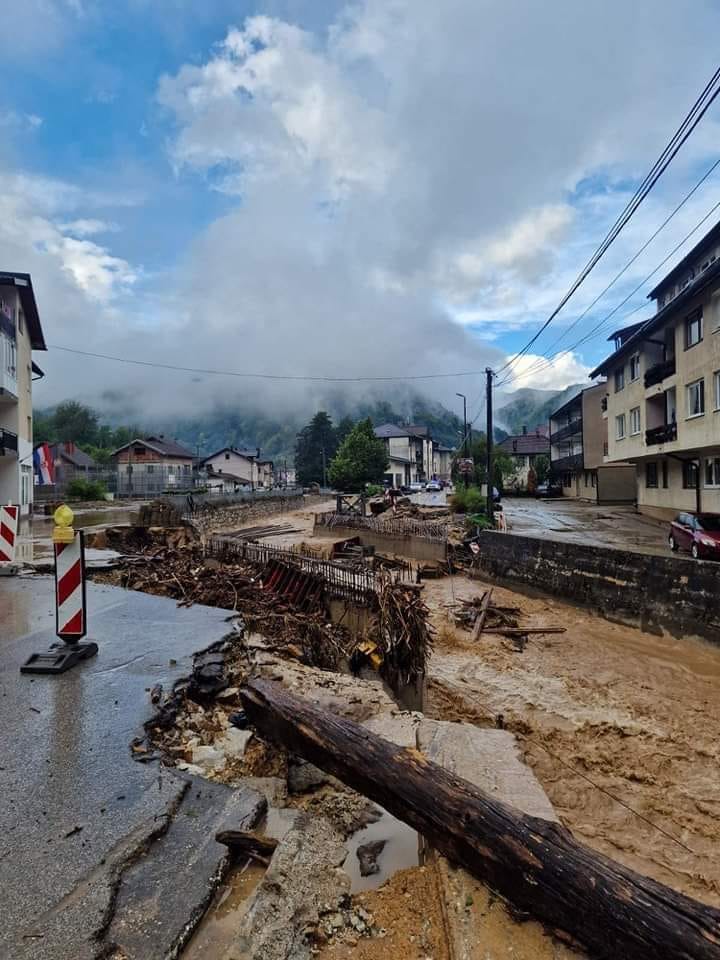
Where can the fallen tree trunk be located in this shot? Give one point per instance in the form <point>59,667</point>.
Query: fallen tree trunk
<point>537,866</point>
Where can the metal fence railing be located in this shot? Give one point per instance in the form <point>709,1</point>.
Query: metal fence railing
<point>341,582</point>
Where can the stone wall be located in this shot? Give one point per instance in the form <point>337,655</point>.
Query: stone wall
<point>211,518</point>
<point>672,593</point>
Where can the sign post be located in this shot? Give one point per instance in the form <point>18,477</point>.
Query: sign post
<point>70,601</point>
<point>9,517</point>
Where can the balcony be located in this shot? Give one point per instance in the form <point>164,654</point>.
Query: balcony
<point>659,372</point>
<point>564,464</point>
<point>574,428</point>
<point>8,443</point>
<point>665,434</point>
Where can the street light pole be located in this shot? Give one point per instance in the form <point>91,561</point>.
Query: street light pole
<point>465,435</point>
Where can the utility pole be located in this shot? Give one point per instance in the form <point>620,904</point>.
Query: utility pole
<point>465,437</point>
<point>489,443</point>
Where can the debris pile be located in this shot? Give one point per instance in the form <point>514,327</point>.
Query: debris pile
<point>404,637</point>
<point>189,577</point>
<point>480,615</point>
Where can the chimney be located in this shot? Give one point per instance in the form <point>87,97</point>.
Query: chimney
<point>524,431</point>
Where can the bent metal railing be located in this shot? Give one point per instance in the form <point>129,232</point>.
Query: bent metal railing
<point>341,582</point>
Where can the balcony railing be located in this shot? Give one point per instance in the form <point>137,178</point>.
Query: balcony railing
<point>573,462</point>
<point>665,434</point>
<point>658,373</point>
<point>8,443</point>
<point>572,428</point>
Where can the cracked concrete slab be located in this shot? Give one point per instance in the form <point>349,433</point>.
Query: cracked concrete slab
<point>155,911</point>
<point>75,804</point>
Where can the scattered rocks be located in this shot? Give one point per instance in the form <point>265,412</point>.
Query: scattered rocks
<point>368,854</point>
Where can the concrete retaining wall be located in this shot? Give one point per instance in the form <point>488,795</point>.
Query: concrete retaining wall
<point>414,547</point>
<point>679,595</point>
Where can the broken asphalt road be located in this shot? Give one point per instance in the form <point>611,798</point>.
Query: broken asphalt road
<point>78,813</point>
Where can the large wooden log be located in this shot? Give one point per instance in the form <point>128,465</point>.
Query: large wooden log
<point>536,866</point>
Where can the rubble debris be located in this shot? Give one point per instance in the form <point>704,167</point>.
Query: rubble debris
<point>285,918</point>
<point>536,865</point>
<point>368,854</point>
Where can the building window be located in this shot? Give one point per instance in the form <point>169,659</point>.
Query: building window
<point>716,388</point>
<point>651,475</point>
<point>695,393</point>
<point>712,472</point>
<point>693,328</point>
<point>635,367</point>
<point>664,475</point>
<point>619,379</point>
<point>620,427</point>
<point>150,468</point>
<point>24,484</point>
<point>690,475</point>
<point>227,456</point>
<point>635,421</point>
<point>567,479</point>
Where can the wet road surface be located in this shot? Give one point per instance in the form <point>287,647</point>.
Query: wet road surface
<point>75,804</point>
<point>616,526</point>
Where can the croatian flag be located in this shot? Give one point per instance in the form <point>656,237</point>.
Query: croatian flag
<point>43,464</point>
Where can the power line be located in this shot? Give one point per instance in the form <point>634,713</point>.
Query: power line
<point>694,116</point>
<point>627,266</point>
<point>265,376</point>
<point>598,329</point>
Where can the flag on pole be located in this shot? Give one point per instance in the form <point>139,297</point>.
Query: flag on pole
<point>43,464</point>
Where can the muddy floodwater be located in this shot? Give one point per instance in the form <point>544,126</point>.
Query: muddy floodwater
<point>609,718</point>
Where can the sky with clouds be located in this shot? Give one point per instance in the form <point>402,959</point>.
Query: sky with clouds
<point>320,188</point>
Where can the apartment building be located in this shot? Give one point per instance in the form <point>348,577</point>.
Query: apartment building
<point>413,454</point>
<point>153,465</point>
<point>663,391</point>
<point>578,447</point>
<point>524,449</point>
<point>20,334</point>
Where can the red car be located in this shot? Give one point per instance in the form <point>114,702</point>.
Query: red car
<point>697,532</point>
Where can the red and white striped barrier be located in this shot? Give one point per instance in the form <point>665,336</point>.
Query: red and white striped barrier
<point>70,589</point>
<point>8,533</point>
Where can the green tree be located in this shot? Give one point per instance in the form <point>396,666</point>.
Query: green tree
<point>315,446</point>
<point>74,421</point>
<point>361,459</point>
<point>343,429</point>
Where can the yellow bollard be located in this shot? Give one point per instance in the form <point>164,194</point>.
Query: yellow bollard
<point>63,531</point>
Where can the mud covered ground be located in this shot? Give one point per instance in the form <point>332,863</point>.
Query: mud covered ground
<point>636,714</point>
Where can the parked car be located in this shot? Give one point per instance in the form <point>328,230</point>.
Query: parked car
<point>548,489</point>
<point>433,486</point>
<point>416,487</point>
<point>697,532</point>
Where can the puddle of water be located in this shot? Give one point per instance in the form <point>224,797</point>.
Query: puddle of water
<point>401,851</point>
<point>215,933</point>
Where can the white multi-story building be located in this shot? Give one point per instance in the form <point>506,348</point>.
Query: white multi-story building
<point>663,391</point>
<point>20,334</point>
